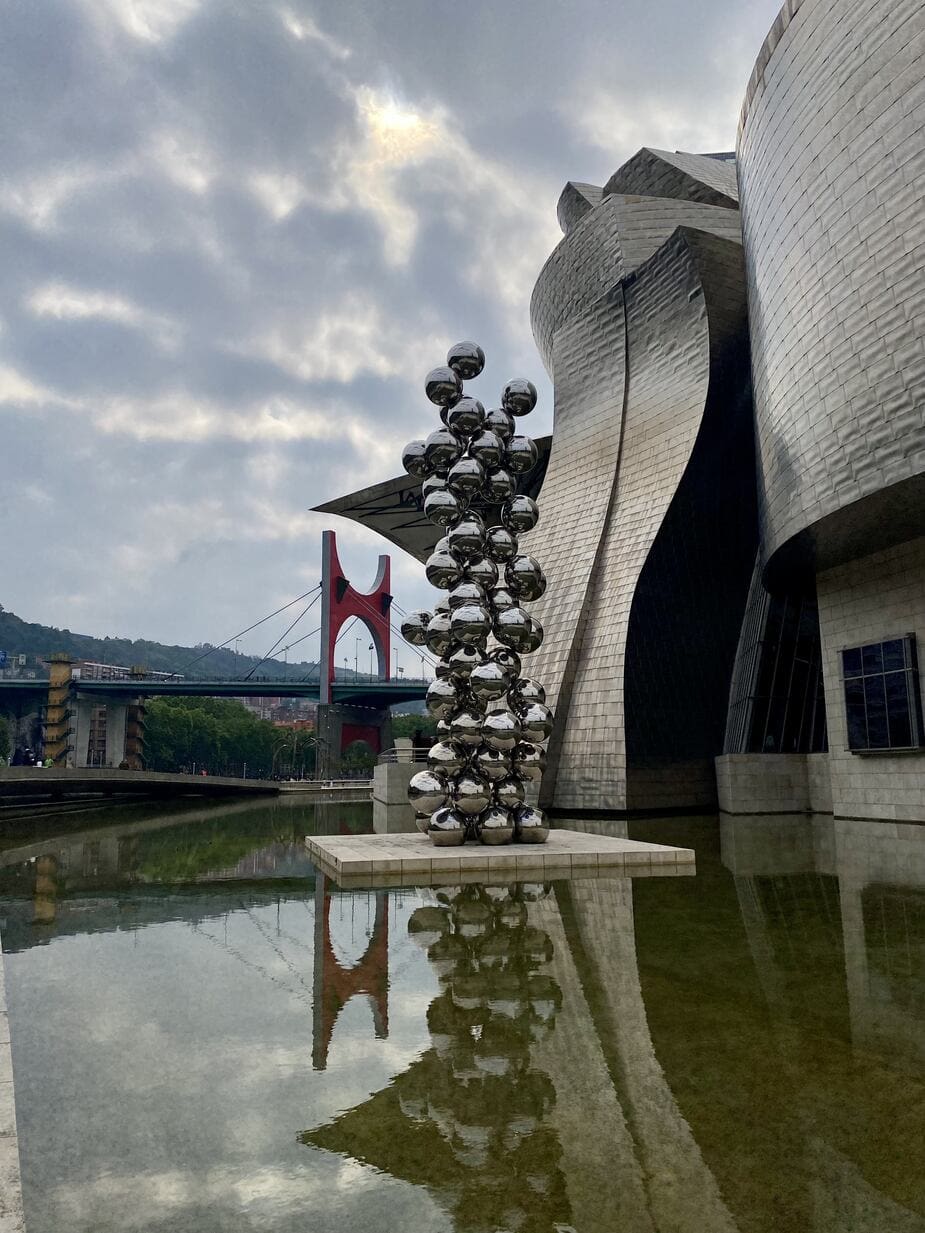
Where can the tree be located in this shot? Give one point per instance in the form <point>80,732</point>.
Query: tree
<point>6,741</point>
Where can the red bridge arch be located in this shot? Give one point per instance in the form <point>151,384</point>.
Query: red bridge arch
<point>340,602</point>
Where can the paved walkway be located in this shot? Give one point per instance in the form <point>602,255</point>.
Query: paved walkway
<point>11,1213</point>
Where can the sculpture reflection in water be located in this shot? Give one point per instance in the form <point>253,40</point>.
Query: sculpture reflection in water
<point>492,721</point>
<point>477,1085</point>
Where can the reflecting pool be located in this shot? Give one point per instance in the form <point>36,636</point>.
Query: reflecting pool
<point>208,1036</point>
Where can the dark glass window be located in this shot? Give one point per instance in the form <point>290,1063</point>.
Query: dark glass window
<point>882,702</point>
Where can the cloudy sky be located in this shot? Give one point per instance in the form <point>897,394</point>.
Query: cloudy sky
<point>236,233</point>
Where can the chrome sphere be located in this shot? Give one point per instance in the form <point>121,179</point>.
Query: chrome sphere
<point>534,637</point>
<point>520,514</point>
<point>422,821</point>
<point>414,627</point>
<point>447,758</point>
<point>466,727</point>
<point>530,825</point>
<point>467,537</point>
<point>524,691</point>
<point>441,449</point>
<point>470,623</point>
<point>443,507</point>
<point>442,570</point>
<point>507,659</point>
<point>438,637</point>
<point>443,729</point>
<point>509,792</point>
<point>442,698</point>
<point>427,791</point>
<point>433,483</point>
<point>537,722</point>
<point>442,605</point>
<point>462,660</point>
<point>519,396</point>
<point>414,460</point>
<point>496,825</point>
<point>466,478</point>
<point>498,486</point>
<point>521,455</point>
<point>524,577</point>
<point>442,670</point>
<point>443,386</point>
<point>466,592</point>
<point>488,448</point>
<point>500,544</point>
<point>501,422</point>
<point>512,628</point>
<point>488,682</point>
<point>500,599</point>
<point>491,763</point>
<point>447,828</point>
<point>442,544</point>
<point>482,570</point>
<point>528,761</point>
<point>467,359</point>
<point>501,730</point>
<point>466,417</point>
<point>470,793</point>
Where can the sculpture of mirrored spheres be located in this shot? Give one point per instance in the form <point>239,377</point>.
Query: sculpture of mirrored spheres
<point>491,721</point>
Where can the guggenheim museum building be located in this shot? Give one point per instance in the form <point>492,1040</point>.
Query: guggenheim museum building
<point>733,495</point>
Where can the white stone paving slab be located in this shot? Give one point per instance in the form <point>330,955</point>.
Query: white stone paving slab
<point>410,859</point>
<point>11,1213</point>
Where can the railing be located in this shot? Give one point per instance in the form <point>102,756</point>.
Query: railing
<point>403,754</point>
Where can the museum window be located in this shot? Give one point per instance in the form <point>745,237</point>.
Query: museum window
<point>882,702</point>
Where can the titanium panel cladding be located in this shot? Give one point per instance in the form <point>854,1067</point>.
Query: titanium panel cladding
<point>831,165</point>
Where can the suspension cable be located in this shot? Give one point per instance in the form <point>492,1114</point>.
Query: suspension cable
<point>307,608</point>
<point>221,646</point>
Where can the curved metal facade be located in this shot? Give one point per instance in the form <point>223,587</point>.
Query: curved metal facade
<point>831,164</point>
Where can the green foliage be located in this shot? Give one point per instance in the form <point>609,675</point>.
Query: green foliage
<point>222,737</point>
<point>6,741</point>
<point>407,725</point>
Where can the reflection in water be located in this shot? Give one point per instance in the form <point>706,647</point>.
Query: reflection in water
<point>207,1036</point>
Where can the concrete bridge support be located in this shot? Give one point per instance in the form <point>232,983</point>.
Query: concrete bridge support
<point>338,726</point>
<point>120,740</point>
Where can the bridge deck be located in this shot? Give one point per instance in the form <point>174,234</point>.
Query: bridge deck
<point>19,781</point>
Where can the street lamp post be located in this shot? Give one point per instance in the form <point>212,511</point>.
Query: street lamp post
<point>356,656</point>
<point>371,649</point>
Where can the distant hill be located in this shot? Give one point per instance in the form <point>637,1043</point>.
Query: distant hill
<point>18,637</point>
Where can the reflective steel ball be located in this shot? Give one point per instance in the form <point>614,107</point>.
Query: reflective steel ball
<point>501,422</point>
<point>443,729</point>
<point>534,637</point>
<point>519,396</point>
<point>466,592</point>
<point>529,760</point>
<point>501,730</point>
<point>537,722</point>
<point>521,455</point>
<point>507,659</point>
<point>442,570</point>
<point>447,828</point>
<point>470,623</point>
<point>427,791</point>
<point>447,758</point>
<point>508,792</point>
<point>530,825</point>
<point>467,537</point>
<point>441,699</point>
<point>496,825</point>
<point>466,478</point>
<point>438,637</point>
<point>413,459</point>
<point>498,486</point>
<point>414,628</point>
<point>461,662</point>
<point>491,763</point>
<point>467,359</point>
<point>525,578</point>
<point>512,628</point>
<point>520,514</point>
<point>489,681</point>
<point>466,727</point>
<point>482,570</point>
<point>466,417</point>
<point>488,448</point>
<point>443,386</point>
<point>500,544</point>
<point>443,507</point>
<point>441,449</point>
<point>470,793</point>
<point>524,691</point>
<point>433,483</point>
<point>500,599</point>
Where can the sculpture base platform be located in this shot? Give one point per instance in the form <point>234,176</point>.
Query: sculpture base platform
<point>412,860</point>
